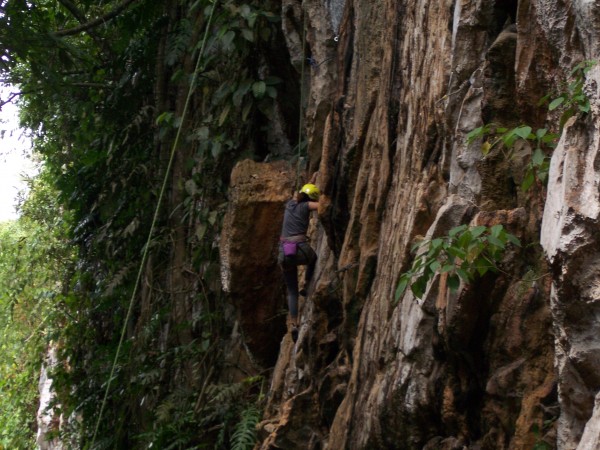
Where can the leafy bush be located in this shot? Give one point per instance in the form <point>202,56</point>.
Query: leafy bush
<point>34,260</point>
<point>465,253</point>
<point>572,100</point>
<point>542,140</point>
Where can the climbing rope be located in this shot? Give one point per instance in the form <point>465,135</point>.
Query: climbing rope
<point>301,118</point>
<point>154,220</point>
<point>335,283</point>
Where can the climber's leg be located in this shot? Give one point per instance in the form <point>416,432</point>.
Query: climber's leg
<point>290,276</point>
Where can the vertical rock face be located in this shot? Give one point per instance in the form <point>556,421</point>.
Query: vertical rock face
<point>571,239</point>
<point>48,419</point>
<point>508,361</point>
<point>250,238</point>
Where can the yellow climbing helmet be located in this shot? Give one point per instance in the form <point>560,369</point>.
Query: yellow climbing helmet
<point>311,190</point>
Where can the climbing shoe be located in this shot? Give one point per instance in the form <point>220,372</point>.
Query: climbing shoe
<point>294,334</point>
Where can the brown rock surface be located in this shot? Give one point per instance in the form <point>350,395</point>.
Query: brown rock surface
<point>249,243</point>
<point>508,360</point>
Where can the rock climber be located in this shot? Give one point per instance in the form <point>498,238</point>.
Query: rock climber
<point>294,249</point>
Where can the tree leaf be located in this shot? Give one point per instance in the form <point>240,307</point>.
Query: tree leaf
<point>478,231</point>
<point>227,40</point>
<point>271,92</point>
<point>482,266</point>
<point>200,231</point>
<point>485,148</point>
<point>447,268</point>
<point>202,133</point>
<point>454,231</point>
<point>496,242</point>
<point>466,277</point>
<point>436,243</point>
<point>402,284</point>
<point>453,282</point>
<point>523,132</point>
<point>513,239</point>
<point>457,252</point>
<point>435,266</point>
<point>246,110</point>
<point>248,34</point>
<point>216,149</point>
<point>496,229</point>
<point>242,89</point>
<point>538,157</point>
<point>190,187</point>
<point>474,134</point>
<point>527,180</point>
<point>418,287</point>
<point>465,239</point>
<point>584,107</point>
<point>259,88</point>
<point>224,114</point>
<point>556,103</point>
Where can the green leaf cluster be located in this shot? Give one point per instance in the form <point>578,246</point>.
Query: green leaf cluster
<point>103,106</point>
<point>230,410</point>
<point>464,254</point>
<point>235,93</point>
<point>31,288</point>
<point>542,142</point>
<point>244,434</point>
<point>573,101</point>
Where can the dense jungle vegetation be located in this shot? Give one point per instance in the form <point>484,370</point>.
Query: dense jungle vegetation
<point>132,104</point>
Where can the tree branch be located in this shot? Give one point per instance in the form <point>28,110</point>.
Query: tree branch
<point>93,23</point>
<point>73,10</point>
<point>11,97</point>
<point>76,12</point>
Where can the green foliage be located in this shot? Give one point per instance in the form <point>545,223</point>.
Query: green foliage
<point>237,94</point>
<point>244,434</point>
<point>542,142</point>
<point>31,285</point>
<point>464,254</point>
<point>539,443</point>
<point>230,408</point>
<point>572,101</point>
<point>103,106</point>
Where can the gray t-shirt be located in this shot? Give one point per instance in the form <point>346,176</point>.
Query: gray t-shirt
<point>295,218</point>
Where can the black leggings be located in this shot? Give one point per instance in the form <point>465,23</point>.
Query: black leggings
<point>305,256</point>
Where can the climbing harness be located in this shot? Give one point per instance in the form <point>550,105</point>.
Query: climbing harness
<point>154,221</point>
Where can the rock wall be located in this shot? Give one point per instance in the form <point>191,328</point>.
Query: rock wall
<point>509,361</point>
<point>248,250</point>
<point>48,421</point>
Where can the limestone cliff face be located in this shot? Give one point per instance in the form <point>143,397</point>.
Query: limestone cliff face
<point>508,361</point>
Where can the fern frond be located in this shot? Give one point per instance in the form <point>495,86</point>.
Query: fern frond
<point>224,393</point>
<point>244,434</point>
